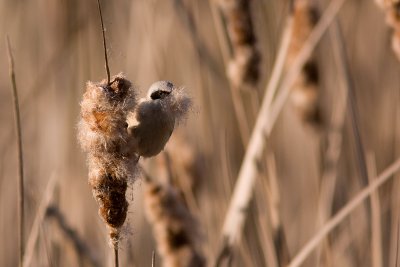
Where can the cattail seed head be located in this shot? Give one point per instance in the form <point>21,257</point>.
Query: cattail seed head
<point>103,135</point>
<point>305,91</point>
<point>174,227</point>
<point>243,68</point>
<point>392,10</point>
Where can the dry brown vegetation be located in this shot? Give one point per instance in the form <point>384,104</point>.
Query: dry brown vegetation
<point>244,180</point>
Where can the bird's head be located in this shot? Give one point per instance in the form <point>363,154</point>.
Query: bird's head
<point>160,90</point>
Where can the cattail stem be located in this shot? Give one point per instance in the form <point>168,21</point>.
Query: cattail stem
<point>116,260</point>
<point>353,112</point>
<point>104,43</point>
<point>153,259</point>
<point>21,221</point>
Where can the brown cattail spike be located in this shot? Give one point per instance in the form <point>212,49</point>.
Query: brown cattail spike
<point>174,227</point>
<point>244,65</point>
<point>305,93</point>
<point>392,10</point>
<point>103,135</point>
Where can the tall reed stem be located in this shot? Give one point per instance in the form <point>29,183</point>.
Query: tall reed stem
<point>116,260</point>
<point>21,220</point>
<point>104,42</point>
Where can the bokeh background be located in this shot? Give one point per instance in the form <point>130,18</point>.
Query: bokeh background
<point>57,48</point>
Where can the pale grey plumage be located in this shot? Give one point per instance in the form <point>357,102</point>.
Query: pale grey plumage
<point>153,121</point>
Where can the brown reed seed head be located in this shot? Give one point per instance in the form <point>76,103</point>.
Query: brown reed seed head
<point>393,21</point>
<point>174,227</point>
<point>244,66</point>
<point>392,11</point>
<point>305,93</point>
<point>305,16</point>
<point>396,44</point>
<point>103,135</point>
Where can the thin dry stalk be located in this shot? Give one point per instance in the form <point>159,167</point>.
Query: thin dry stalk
<point>343,213</point>
<point>376,224</point>
<point>334,141</point>
<point>40,215</point>
<point>242,194</point>
<point>103,31</point>
<point>21,218</point>
<point>353,113</point>
<point>80,246</point>
<point>397,241</point>
<point>116,260</point>
<point>280,242</point>
<point>268,224</point>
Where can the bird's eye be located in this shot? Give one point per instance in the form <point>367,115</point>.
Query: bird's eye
<point>155,95</point>
<point>158,94</point>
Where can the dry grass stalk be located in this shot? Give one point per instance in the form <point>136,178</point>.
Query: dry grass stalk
<point>80,246</point>
<point>244,65</point>
<point>355,202</point>
<point>103,135</point>
<point>376,224</point>
<point>334,140</point>
<point>339,48</point>
<point>39,218</point>
<point>305,93</point>
<point>21,218</point>
<point>175,229</point>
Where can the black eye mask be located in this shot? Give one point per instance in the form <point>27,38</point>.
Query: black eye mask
<point>159,94</point>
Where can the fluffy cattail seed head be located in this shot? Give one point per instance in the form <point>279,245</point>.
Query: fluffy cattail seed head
<point>103,135</point>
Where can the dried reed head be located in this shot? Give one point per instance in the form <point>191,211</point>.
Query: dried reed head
<point>305,93</point>
<point>392,10</point>
<point>103,135</point>
<point>175,230</point>
<point>244,65</point>
<point>393,20</point>
<point>188,163</point>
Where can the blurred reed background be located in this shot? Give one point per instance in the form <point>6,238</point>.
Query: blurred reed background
<point>309,169</point>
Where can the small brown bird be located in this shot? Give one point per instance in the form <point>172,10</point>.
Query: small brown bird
<point>153,121</point>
